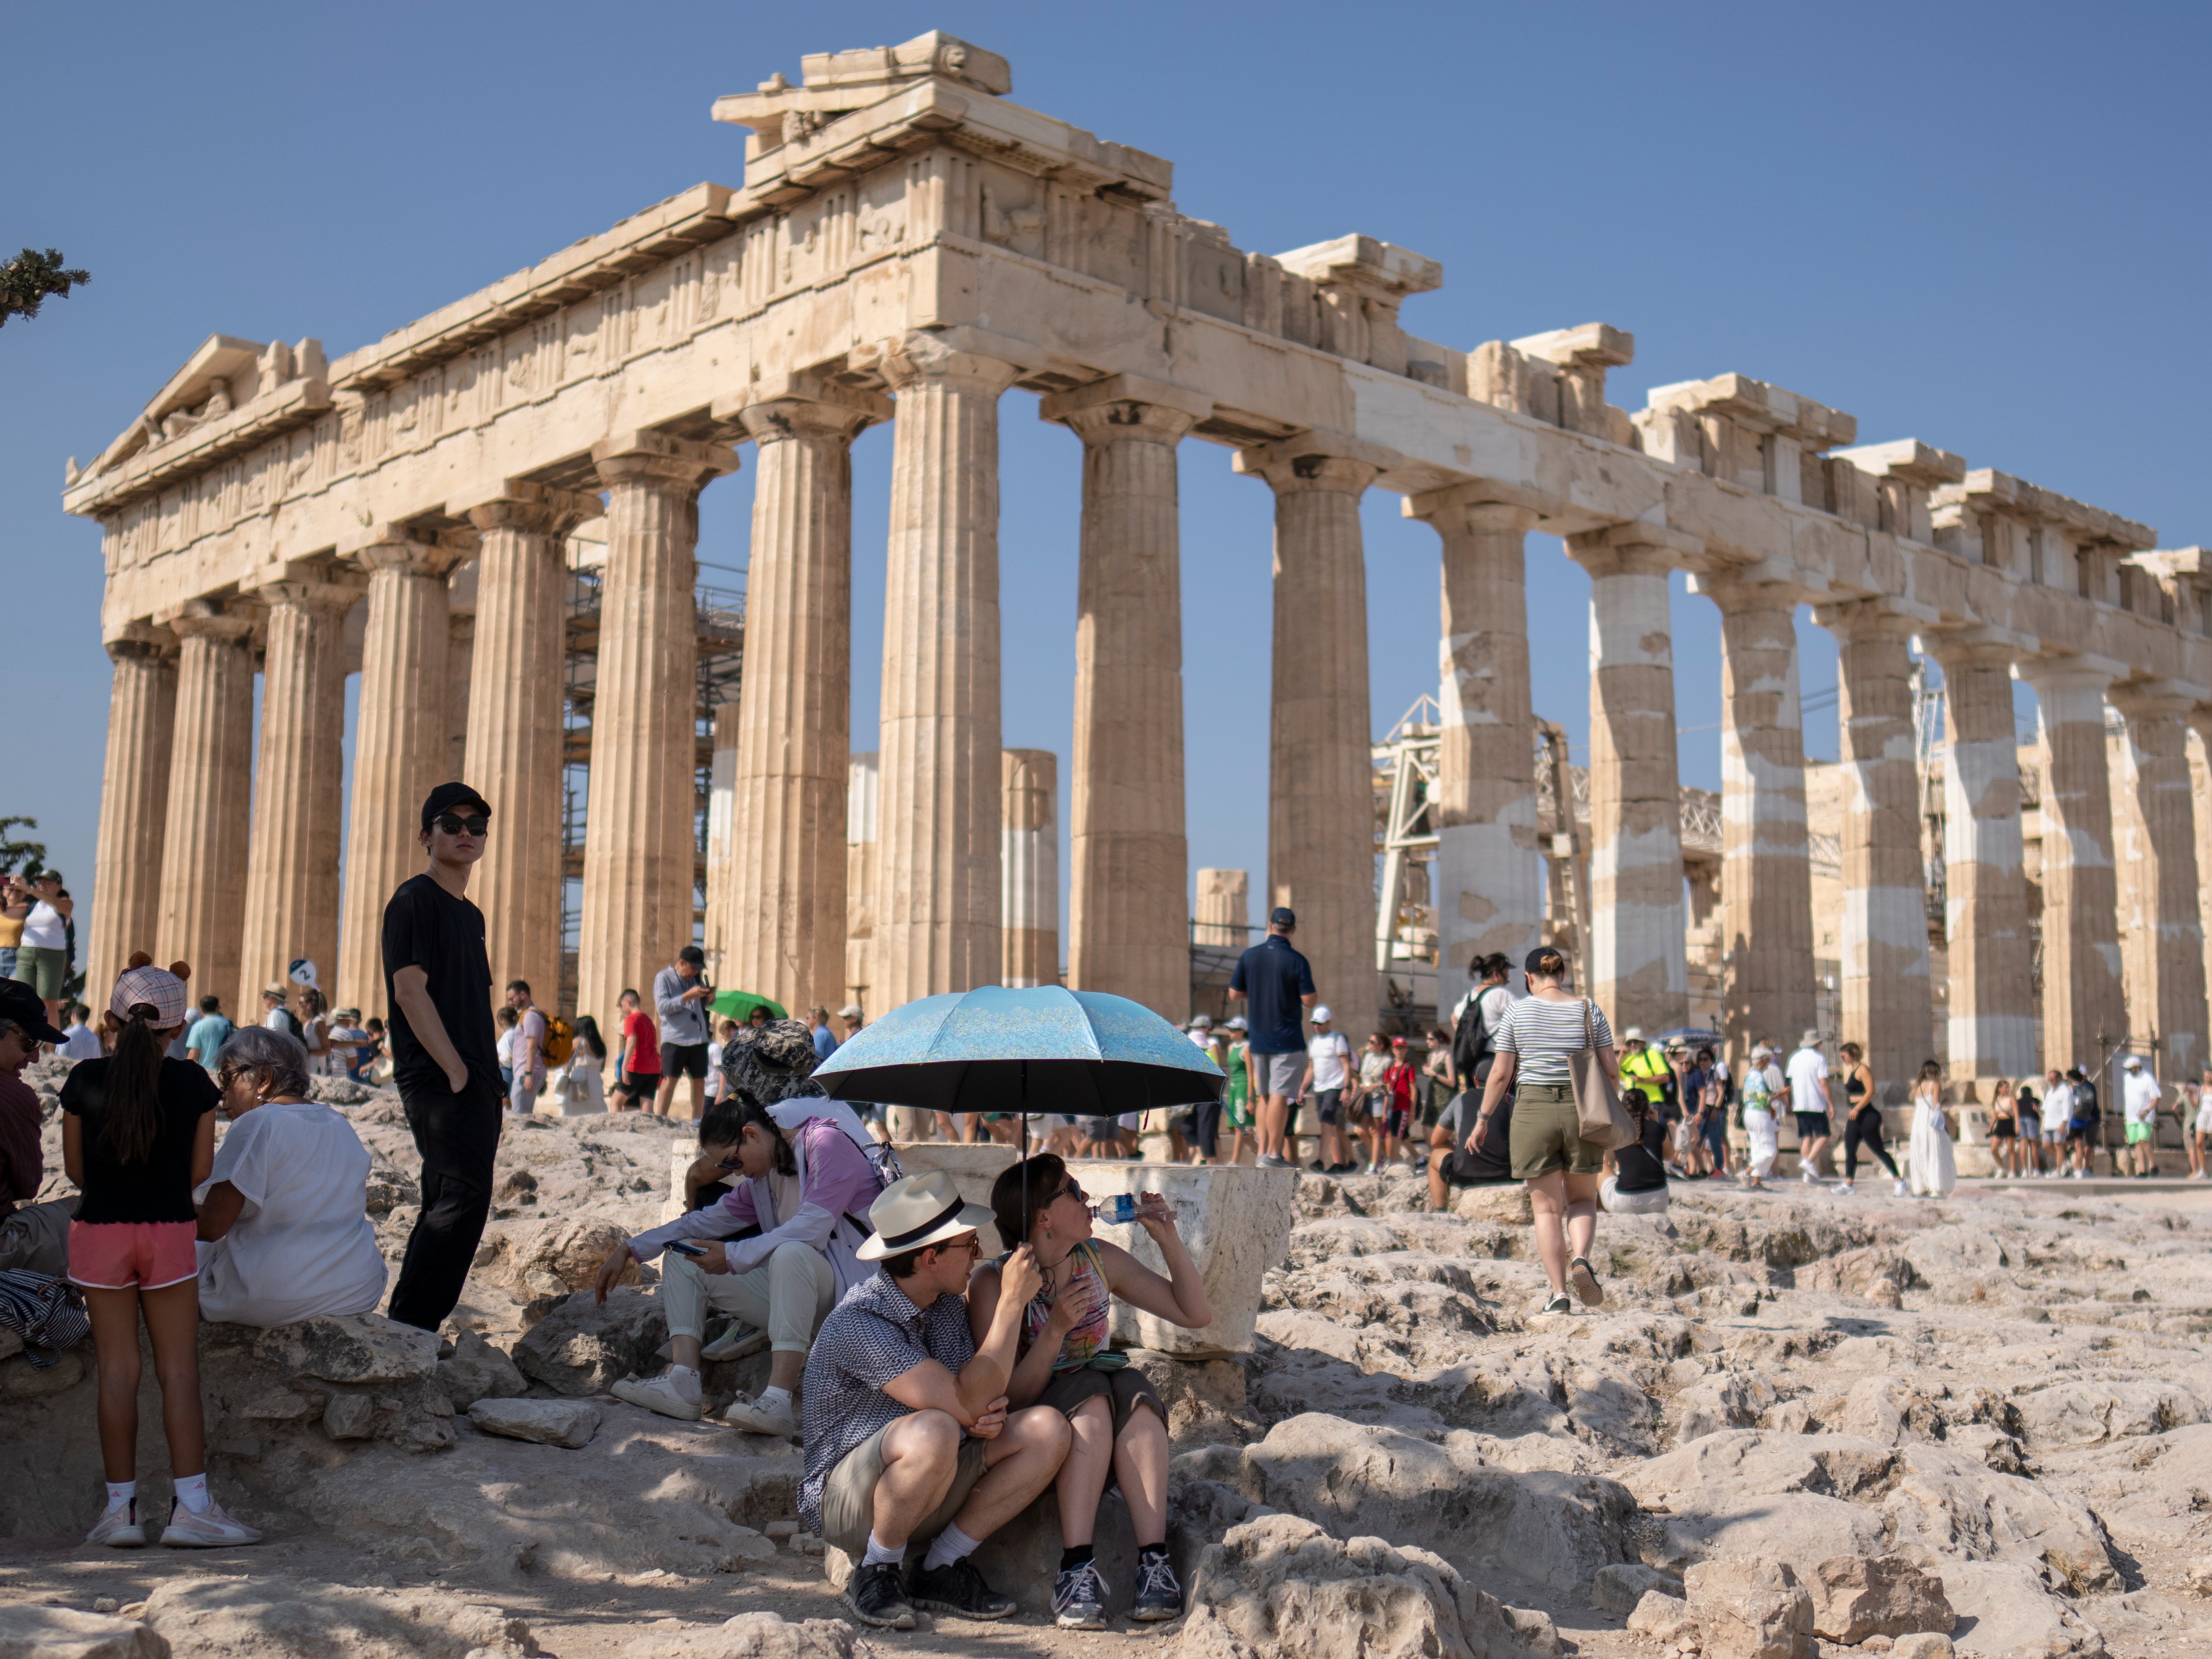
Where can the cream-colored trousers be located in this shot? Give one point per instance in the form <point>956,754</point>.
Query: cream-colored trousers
<point>788,1296</point>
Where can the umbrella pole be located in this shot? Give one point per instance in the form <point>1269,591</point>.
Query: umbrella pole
<point>1023,1239</point>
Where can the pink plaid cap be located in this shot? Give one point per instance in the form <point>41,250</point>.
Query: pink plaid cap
<point>157,986</point>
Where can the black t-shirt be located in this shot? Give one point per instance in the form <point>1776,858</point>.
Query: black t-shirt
<point>425,927</point>
<point>1637,1168</point>
<point>161,1188</point>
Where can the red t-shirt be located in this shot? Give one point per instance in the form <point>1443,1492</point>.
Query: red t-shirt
<point>1400,1076</point>
<point>639,1029</point>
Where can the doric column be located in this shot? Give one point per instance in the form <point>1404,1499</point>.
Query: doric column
<point>1490,894</point>
<point>461,669</point>
<point>2083,1001</point>
<point>400,749</point>
<point>1638,967</point>
<point>210,785</point>
<point>292,857</point>
<point>786,901</point>
<point>1321,791</point>
<point>938,872</point>
<point>722,900</point>
<point>1990,959</point>
<point>639,836</point>
<point>1029,859</point>
<point>1766,870</point>
<point>2154,821</point>
<point>514,753</point>
<point>2200,788</point>
<point>862,793</point>
<point>134,805</point>
<point>1225,909</point>
<point>1128,923</point>
<point>1887,1001</point>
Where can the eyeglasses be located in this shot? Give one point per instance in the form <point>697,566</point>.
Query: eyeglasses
<point>453,823</point>
<point>973,1244</point>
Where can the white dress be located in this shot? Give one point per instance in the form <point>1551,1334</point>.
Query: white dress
<point>1934,1172</point>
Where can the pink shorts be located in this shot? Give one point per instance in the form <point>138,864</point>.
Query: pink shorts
<point>116,1255</point>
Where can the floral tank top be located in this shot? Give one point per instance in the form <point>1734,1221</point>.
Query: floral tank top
<point>1087,1284</point>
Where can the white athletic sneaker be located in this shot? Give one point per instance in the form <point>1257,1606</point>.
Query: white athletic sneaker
<point>736,1343</point>
<point>756,1419</point>
<point>1901,1189</point>
<point>660,1394</point>
<point>1843,1186</point>
<point>1805,1175</point>
<point>212,1528</point>
<point>118,1528</point>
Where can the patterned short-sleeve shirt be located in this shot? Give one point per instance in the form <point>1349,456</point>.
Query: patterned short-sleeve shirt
<point>876,1334</point>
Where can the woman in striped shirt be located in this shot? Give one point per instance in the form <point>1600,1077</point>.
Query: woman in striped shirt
<point>1533,1042</point>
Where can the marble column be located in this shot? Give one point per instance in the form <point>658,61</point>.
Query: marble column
<point>1225,909</point>
<point>1030,861</point>
<point>2084,1005</point>
<point>2154,821</point>
<point>862,794</point>
<point>134,805</point>
<point>1767,870</point>
<point>1990,958</point>
<point>1128,925</point>
<point>1490,893</point>
<point>1887,1002</point>
<point>786,902</point>
<point>2200,786</point>
<point>1638,967</point>
<point>461,669</point>
<point>211,787</point>
<point>1320,790</point>
<point>292,849</point>
<point>722,900</point>
<point>514,753</point>
<point>640,849</point>
<point>937,873</point>
<point>400,749</point>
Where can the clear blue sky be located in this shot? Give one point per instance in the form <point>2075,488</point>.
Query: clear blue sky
<point>1980,225</point>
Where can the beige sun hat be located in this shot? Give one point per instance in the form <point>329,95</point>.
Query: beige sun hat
<point>922,1209</point>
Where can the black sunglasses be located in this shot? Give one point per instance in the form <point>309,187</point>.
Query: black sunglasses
<point>453,823</point>
<point>1074,1190</point>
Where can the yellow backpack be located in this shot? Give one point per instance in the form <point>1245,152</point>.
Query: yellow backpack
<point>560,1041</point>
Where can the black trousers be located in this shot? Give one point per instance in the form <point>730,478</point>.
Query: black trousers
<point>1205,1126</point>
<point>1864,1128</point>
<point>458,1135</point>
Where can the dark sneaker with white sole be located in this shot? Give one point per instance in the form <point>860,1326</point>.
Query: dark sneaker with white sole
<point>1581,1275</point>
<point>1078,1598</point>
<point>877,1597</point>
<point>1559,1303</point>
<point>1159,1595</point>
<point>959,1589</point>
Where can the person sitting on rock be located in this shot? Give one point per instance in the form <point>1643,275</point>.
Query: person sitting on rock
<point>778,1251</point>
<point>909,1432</point>
<point>283,1225</point>
<point>34,1238</point>
<point>1115,1415</point>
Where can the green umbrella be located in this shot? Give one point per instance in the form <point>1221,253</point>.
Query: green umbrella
<point>740,1005</point>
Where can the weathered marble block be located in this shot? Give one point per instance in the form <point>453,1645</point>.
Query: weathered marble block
<point>1236,1220</point>
<point>973,1168</point>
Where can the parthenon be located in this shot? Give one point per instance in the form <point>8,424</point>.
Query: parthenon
<point>909,244</point>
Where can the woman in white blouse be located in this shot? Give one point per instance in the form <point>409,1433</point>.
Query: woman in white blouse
<point>284,1225</point>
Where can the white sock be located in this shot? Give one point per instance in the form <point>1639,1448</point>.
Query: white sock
<point>950,1545</point>
<point>684,1381</point>
<point>878,1552</point>
<point>120,1494</point>
<point>192,1492</point>
<point>772,1397</point>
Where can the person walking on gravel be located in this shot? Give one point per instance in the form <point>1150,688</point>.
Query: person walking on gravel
<point>1809,1104</point>
<point>1534,1042</point>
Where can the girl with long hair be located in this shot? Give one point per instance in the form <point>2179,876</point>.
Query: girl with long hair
<point>1120,1425</point>
<point>137,1135</point>
<point>1934,1172</point>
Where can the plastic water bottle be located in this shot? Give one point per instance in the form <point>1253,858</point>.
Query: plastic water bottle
<point>1117,1210</point>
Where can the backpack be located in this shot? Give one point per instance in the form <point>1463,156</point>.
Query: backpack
<point>1473,1041</point>
<point>560,1040</point>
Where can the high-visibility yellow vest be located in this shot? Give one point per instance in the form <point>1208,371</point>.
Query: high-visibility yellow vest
<point>1645,1071</point>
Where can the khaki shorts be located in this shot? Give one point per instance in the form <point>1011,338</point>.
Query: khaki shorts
<point>1548,1133</point>
<point>848,1495</point>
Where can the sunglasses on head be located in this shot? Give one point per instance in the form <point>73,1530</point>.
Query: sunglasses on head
<point>453,823</point>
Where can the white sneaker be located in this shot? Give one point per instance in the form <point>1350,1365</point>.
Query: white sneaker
<point>1805,1175</point>
<point>1901,1190</point>
<point>661,1393</point>
<point>1843,1186</point>
<point>118,1528</point>
<point>211,1529</point>
<point>736,1343</point>
<point>756,1419</point>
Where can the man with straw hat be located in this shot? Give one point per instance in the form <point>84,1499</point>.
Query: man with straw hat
<point>908,1435</point>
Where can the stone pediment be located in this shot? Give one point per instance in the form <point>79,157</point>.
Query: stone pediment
<point>212,392</point>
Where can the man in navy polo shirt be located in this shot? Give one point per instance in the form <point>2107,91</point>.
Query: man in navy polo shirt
<point>1277,982</point>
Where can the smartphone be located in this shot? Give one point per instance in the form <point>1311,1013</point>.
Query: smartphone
<point>682,1248</point>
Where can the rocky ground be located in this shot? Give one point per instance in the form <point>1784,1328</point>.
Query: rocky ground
<point>1802,1422</point>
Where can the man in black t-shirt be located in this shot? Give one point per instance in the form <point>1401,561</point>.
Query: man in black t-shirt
<point>445,1059</point>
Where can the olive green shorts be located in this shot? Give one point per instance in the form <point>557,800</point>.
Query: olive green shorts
<point>1548,1133</point>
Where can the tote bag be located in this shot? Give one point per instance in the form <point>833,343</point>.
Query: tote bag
<point>1604,1120</point>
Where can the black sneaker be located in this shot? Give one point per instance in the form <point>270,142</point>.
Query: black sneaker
<point>959,1589</point>
<point>1559,1303</point>
<point>1159,1595</point>
<point>876,1596</point>
<point>1583,1278</point>
<point>1078,1598</point>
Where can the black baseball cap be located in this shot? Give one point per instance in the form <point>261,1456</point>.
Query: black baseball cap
<point>1534,961</point>
<point>1282,916</point>
<point>692,954</point>
<point>22,1003</point>
<point>447,796</point>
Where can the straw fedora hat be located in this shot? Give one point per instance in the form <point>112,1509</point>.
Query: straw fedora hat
<point>922,1209</point>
